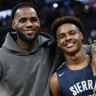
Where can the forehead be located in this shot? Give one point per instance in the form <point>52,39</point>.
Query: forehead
<point>26,12</point>
<point>67,27</point>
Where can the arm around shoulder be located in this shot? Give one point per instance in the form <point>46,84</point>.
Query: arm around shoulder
<point>54,85</point>
<point>87,49</point>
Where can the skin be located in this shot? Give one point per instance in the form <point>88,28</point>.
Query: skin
<point>69,39</point>
<point>67,35</point>
<point>54,85</point>
<point>27,23</point>
<point>94,65</point>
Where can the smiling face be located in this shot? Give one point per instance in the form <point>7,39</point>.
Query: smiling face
<point>69,38</point>
<point>27,24</point>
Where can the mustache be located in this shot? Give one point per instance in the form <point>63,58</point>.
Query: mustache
<point>69,41</point>
<point>31,29</point>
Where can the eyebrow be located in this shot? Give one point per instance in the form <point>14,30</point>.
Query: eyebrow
<point>21,18</point>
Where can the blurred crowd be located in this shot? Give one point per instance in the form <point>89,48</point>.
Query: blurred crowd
<point>52,10</point>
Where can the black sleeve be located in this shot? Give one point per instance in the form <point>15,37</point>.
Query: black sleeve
<point>1,72</point>
<point>88,49</point>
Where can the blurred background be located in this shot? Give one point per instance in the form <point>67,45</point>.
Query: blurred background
<point>49,11</point>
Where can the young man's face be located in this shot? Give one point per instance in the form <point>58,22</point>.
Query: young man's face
<point>27,24</point>
<point>69,38</point>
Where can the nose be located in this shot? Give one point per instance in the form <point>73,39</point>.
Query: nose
<point>67,37</point>
<point>29,23</point>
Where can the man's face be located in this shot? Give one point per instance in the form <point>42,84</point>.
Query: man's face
<point>27,24</point>
<point>69,38</point>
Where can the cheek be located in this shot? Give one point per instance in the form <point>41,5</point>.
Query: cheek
<point>77,37</point>
<point>20,26</point>
<point>60,43</point>
<point>37,25</point>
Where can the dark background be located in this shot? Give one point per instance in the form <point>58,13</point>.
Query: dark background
<point>84,9</point>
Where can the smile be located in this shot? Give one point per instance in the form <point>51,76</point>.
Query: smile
<point>29,31</point>
<point>69,45</point>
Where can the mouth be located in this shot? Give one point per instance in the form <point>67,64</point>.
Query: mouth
<point>29,31</point>
<point>69,45</point>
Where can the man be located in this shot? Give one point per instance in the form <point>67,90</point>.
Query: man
<point>28,57</point>
<point>74,77</point>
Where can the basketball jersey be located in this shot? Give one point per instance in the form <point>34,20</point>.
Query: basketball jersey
<point>76,82</point>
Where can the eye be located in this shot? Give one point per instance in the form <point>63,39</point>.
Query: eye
<point>34,19</point>
<point>73,32</point>
<point>61,36</point>
<point>22,20</point>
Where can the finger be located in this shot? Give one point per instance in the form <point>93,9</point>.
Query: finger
<point>94,65</point>
<point>93,69</point>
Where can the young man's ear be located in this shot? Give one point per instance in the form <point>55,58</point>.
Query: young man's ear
<point>58,44</point>
<point>13,24</point>
<point>81,35</point>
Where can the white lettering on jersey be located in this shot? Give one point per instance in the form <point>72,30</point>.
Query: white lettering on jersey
<point>90,84</point>
<point>72,90</point>
<point>76,88</point>
<point>79,87</point>
<point>82,86</point>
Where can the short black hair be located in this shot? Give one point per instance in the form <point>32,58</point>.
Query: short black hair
<point>66,19</point>
<point>22,5</point>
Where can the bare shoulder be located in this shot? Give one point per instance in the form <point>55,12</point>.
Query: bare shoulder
<point>54,85</point>
<point>53,79</point>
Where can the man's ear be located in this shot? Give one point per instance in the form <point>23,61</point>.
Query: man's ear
<point>13,24</point>
<point>39,22</point>
<point>58,44</point>
<point>81,36</point>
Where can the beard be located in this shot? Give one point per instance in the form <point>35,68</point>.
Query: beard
<point>26,39</point>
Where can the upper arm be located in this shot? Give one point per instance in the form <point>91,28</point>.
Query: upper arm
<point>2,60</point>
<point>0,72</point>
<point>54,85</point>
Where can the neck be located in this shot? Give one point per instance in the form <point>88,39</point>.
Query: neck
<point>25,45</point>
<point>77,61</point>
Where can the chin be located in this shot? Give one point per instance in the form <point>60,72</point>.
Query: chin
<point>30,37</point>
<point>71,51</point>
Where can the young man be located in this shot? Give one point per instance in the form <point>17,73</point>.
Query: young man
<point>74,77</point>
